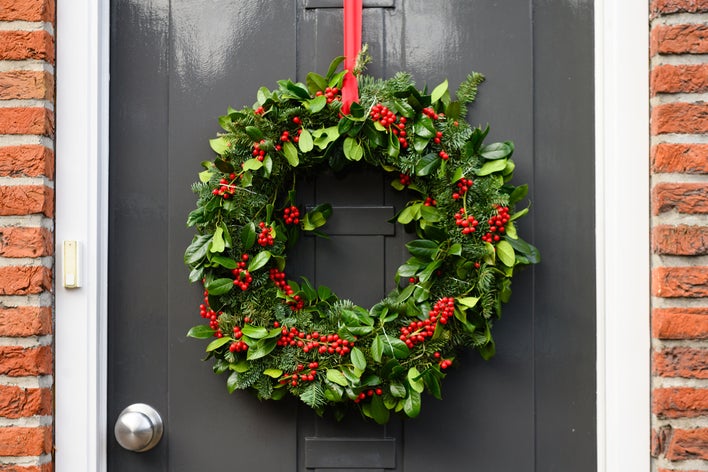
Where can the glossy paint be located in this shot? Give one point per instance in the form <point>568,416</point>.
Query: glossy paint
<point>177,65</point>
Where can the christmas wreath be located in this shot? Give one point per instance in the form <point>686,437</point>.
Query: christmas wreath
<point>278,336</point>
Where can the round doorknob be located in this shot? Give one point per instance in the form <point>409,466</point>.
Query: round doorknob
<point>138,428</point>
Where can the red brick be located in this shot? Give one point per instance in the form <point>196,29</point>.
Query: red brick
<point>668,78</point>
<point>16,402</point>
<point>35,120</point>
<point>688,444</point>
<point>20,441</point>
<point>679,6</point>
<point>26,84</point>
<point>679,118</point>
<point>26,200</point>
<point>684,362</point>
<point>25,242</point>
<point>679,39</point>
<point>680,323</point>
<point>24,280</point>
<point>689,198</point>
<point>683,402</point>
<point>31,160</point>
<point>681,240</point>
<point>671,282</point>
<point>660,470</point>
<point>25,321</point>
<point>680,158</point>
<point>20,45</point>
<point>17,361</point>
<point>47,467</point>
<point>27,10</point>
<point>659,439</point>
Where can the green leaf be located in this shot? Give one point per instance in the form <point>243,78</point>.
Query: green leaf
<point>377,348</point>
<point>252,164</point>
<point>394,146</point>
<point>273,373</point>
<point>219,286</point>
<point>408,213</point>
<point>378,410</point>
<point>518,194</point>
<point>429,270</point>
<point>337,377</point>
<point>316,104</point>
<point>293,90</point>
<point>411,405</point>
<point>497,150</point>
<point>505,253</point>
<point>255,332</point>
<point>305,143</point>
<point>254,133</point>
<point>519,214</point>
<point>414,380</point>
<point>469,302</point>
<point>197,250</point>
<point>394,347</point>
<point>324,136</point>
<point>205,176</point>
<point>423,248</point>
<point>201,332</point>
<point>404,109</point>
<point>241,367</point>
<point>455,250</point>
<point>438,92</point>
<point>333,66</point>
<point>217,241</point>
<point>259,260</point>
<point>218,145</point>
<point>529,251</point>
<point>405,293</point>
<point>358,359</point>
<point>290,152</point>
<point>225,262</point>
<point>248,235</point>
<point>315,82</point>
<point>430,214</point>
<point>262,95</point>
<point>491,167</point>
<point>267,166</point>
<point>397,390</point>
<point>217,343</point>
<point>232,382</point>
<point>510,230</point>
<point>425,127</point>
<point>453,110</point>
<point>261,348</point>
<point>353,150</point>
<point>427,164</point>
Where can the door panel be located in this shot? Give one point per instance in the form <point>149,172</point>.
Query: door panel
<point>175,67</point>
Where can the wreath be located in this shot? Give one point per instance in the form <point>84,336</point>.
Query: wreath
<point>278,336</point>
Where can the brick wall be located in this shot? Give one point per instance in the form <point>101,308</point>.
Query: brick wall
<point>679,200</point>
<point>26,234</point>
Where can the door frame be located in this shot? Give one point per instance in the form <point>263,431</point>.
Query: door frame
<point>622,268</point>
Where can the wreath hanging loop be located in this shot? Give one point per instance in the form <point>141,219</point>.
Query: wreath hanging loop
<point>278,336</point>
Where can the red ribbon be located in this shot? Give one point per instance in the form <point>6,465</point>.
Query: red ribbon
<point>352,46</point>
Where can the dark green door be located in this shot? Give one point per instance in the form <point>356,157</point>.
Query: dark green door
<point>175,67</point>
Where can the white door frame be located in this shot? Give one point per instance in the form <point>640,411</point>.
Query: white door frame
<point>623,271</point>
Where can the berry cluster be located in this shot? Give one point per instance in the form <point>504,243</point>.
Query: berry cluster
<point>467,222</point>
<point>259,111</point>
<point>496,224</point>
<point>226,187</point>
<point>238,346</point>
<point>206,312</point>
<point>419,330</point>
<point>429,112</point>
<point>400,131</point>
<point>265,238</point>
<point>405,179</point>
<point>321,343</point>
<point>429,201</point>
<point>300,374</point>
<point>463,185</point>
<point>242,277</point>
<point>278,278</point>
<point>368,393</point>
<point>331,93</point>
<point>291,215</point>
<point>383,115</point>
<point>297,120</point>
<point>259,153</point>
<point>438,137</point>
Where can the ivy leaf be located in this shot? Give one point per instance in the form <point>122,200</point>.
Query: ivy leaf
<point>358,359</point>
<point>305,143</point>
<point>290,152</point>
<point>438,92</point>
<point>217,343</point>
<point>219,145</point>
<point>497,150</point>
<point>505,253</point>
<point>353,150</point>
<point>411,404</point>
<point>201,332</point>
<point>219,286</point>
<point>261,348</point>
<point>414,380</point>
<point>423,248</point>
<point>491,167</point>
<point>337,377</point>
<point>217,241</point>
<point>324,136</point>
<point>259,260</point>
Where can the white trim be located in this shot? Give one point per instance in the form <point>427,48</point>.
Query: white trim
<point>81,209</point>
<point>621,71</point>
<point>622,207</point>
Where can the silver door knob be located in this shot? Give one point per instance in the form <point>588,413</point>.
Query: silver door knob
<point>138,428</point>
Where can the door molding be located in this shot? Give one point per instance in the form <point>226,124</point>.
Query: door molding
<point>622,272</point>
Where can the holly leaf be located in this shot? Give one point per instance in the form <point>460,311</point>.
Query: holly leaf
<point>261,348</point>
<point>394,347</point>
<point>217,241</point>
<point>316,104</point>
